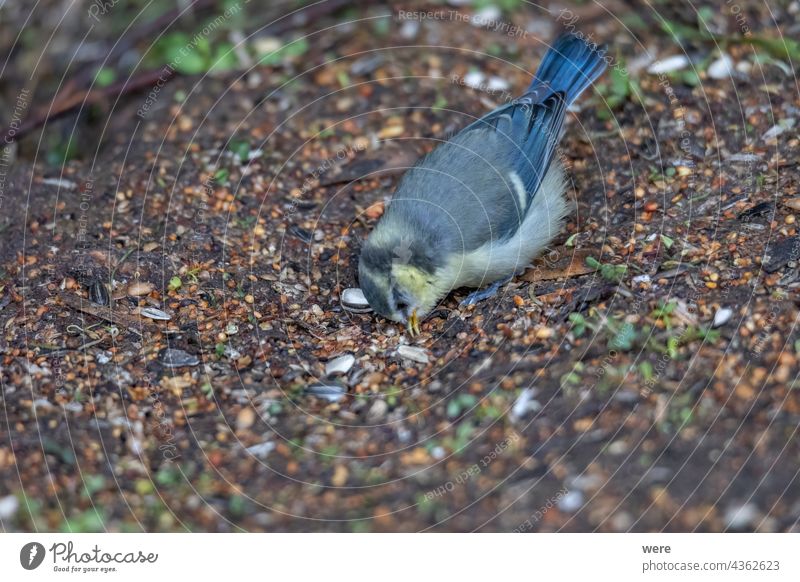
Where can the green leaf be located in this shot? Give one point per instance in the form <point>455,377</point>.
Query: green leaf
<point>105,77</point>
<point>287,52</point>
<point>624,338</point>
<point>224,58</point>
<point>646,370</point>
<point>241,149</point>
<point>667,241</point>
<point>174,283</point>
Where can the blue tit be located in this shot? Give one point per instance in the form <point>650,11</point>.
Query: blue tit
<point>481,206</point>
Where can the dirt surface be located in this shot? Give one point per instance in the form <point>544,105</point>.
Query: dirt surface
<point>656,391</point>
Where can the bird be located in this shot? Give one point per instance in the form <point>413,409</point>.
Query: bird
<point>481,206</point>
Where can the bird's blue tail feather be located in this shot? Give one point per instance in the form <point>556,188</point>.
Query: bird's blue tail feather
<point>569,67</point>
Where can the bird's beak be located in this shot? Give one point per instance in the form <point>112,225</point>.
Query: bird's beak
<point>413,323</point>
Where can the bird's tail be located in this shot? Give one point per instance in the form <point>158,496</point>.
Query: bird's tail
<point>569,67</point>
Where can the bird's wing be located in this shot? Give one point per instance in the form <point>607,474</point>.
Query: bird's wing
<point>529,129</point>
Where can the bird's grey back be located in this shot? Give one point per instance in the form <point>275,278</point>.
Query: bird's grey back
<point>466,181</point>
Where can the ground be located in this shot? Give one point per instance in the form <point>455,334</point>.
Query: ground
<point>642,376</point>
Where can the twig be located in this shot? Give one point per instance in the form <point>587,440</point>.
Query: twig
<point>129,322</point>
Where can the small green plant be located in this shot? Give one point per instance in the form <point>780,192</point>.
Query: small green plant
<point>608,271</point>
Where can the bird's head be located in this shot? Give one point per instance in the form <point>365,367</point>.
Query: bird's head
<point>398,279</point>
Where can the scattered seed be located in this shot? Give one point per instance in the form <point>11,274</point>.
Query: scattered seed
<point>353,299</point>
<point>153,313</point>
<point>722,68</point>
<point>340,365</point>
<point>174,358</point>
<point>98,293</point>
<point>722,316</point>
<point>413,353</point>
<point>139,288</point>
<point>668,65</point>
<point>245,418</point>
<point>329,391</point>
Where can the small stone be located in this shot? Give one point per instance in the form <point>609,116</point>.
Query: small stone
<point>793,203</point>
<point>368,63</point>
<point>378,410</point>
<point>8,508</point>
<point>353,299</point>
<point>741,517</point>
<point>326,391</point>
<point>391,131</point>
<point>571,502</point>
<point>245,418</point>
<point>474,79</point>
<point>139,288</point>
<point>779,128</point>
<point>722,68</point>
<point>722,316</point>
<point>523,404</point>
<point>413,353</point>
<point>498,84</point>
<point>486,16</point>
<point>261,450</point>
<point>340,475</point>
<point>339,366</point>
<point>409,29</point>
<point>153,313</point>
<point>781,253</point>
<point>174,358</point>
<point>668,65</point>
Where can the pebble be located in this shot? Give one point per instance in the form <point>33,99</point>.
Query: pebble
<point>486,16</point>
<point>60,183</point>
<point>740,517</point>
<point>722,316</point>
<point>474,79</point>
<point>746,157</point>
<point>174,358</point>
<point>245,418</point>
<point>139,288</point>
<point>353,299</point>
<point>409,29</point>
<point>326,391</point>
<point>261,450</point>
<point>153,313</point>
<point>793,203</point>
<point>524,404</point>
<point>498,84</point>
<point>571,502</point>
<point>378,410</point>
<point>8,508</point>
<point>722,68</point>
<point>668,65</point>
<point>781,253</point>
<point>778,129</point>
<point>340,365</point>
<point>413,353</point>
